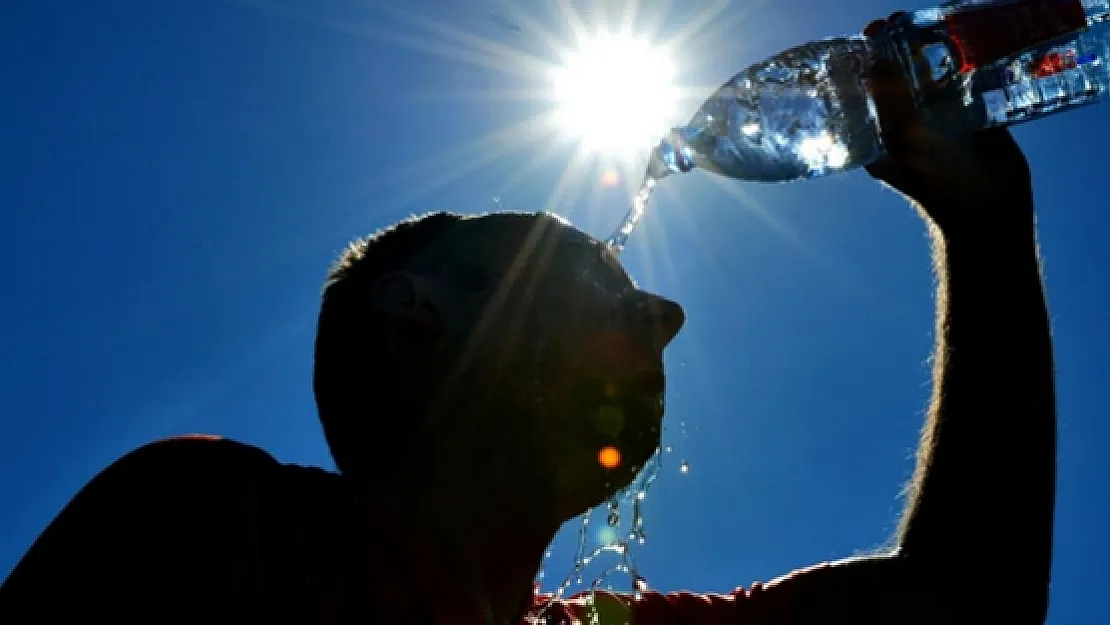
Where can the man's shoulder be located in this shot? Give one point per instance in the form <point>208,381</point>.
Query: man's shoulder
<point>193,455</point>
<point>202,463</point>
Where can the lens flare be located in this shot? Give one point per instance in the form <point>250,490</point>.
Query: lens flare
<point>608,536</point>
<point>609,457</point>
<point>610,178</point>
<point>609,420</point>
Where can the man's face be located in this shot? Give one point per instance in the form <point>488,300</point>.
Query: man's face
<point>549,323</point>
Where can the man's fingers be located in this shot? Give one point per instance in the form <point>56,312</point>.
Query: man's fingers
<point>890,87</point>
<point>880,169</point>
<point>894,102</point>
<point>895,175</point>
<point>874,27</point>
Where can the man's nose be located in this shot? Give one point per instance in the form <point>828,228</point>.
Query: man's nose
<point>661,317</point>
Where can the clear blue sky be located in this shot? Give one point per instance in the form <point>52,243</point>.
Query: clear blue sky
<point>176,177</point>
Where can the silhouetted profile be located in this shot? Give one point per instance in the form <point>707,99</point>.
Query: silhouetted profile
<point>468,373</point>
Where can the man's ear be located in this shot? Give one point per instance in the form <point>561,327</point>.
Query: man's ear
<point>407,297</point>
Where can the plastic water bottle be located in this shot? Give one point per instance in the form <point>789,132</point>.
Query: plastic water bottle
<point>971,64</point>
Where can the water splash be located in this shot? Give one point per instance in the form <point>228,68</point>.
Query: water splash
<point>672,155</point>
<point>637,533</point>
<point>625,565</point>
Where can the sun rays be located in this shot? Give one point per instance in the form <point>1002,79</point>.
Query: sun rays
<point>601,82</point>
<point>598,84</point>
<point>614,94</point>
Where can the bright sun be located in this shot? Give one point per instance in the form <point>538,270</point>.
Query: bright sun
<point>615,94</point>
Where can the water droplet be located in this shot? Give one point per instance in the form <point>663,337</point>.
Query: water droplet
<point>641,495</point>
<point>547,554</point>
<point>684,467</point>
<point>614,518</point>
<point>668,449</point>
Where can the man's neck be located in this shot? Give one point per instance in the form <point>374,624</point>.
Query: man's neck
<point>496,572</point>
<point>485,529</point>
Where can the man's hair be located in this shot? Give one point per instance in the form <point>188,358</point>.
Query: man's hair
<point>347,362</point>
<point>351,377</point>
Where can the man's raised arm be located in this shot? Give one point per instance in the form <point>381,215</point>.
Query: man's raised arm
<point>981,501</point>
<point>980,505</point>
<point>975,542</point>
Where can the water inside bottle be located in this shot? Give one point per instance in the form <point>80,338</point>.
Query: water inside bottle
<point>801,114</point>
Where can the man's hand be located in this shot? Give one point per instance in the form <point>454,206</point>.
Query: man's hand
<point>981,177</point>
<point>981,499</point>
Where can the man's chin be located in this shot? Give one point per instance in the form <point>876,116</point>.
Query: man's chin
<point>638,458</point>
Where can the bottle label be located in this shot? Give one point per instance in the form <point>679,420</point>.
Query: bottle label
<point>985,34</point>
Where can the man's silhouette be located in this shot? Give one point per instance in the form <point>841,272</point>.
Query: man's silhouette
<point>469,372</point>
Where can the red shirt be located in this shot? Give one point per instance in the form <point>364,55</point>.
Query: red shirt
<point>209,529</point>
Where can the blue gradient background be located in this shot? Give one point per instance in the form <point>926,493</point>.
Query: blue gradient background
<point>176,178</point>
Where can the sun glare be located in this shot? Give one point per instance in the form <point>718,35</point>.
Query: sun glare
<point>615,94</point>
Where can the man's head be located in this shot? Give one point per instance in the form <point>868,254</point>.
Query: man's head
<point>512,340</point>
